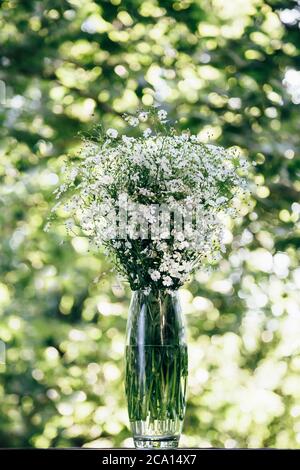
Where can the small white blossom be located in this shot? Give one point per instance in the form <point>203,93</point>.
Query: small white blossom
<point>128,140</point>
<point>105,180</point>
<point>183,245</point>
<point>162,114</point>
<point>167,281</point>
<point>117,245</point>
<point>69,224</point>
<point>221,200</point>
<point>185,135</point>
<point>133,121</point>
<point>112,133</point>
<point>147,132</point>
<point>143,116</point>
<point>47,227</point>
<point>73,173</point>
<point>179,236</point>
<point>155,275</point>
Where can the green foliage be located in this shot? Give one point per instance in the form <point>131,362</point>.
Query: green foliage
<point>219,66</point>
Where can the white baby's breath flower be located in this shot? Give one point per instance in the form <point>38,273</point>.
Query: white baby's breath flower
<point>221,200</point>
<point>167,281</point>
<point>112,133</point>
<point>47,227</point>
<point>143,116</point>
<point>106,179</point>
<point>179,236</point>
<point>133,121</point>
<point>147,290</point>
<point>162,114</point>
<point>73,173</point>
<point>155,275</point>
<point>69,223</point>
<point>183,245</point>
<point>185,135</point>
<point>147,132</point>
<point>128,140</point>
<point>222,248</point>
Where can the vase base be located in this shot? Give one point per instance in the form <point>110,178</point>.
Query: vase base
<point>156,443</point>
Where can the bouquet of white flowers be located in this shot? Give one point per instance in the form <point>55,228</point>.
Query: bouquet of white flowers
<point>155,199</point>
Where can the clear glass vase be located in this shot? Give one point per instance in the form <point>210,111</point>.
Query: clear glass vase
<point>156,369</point>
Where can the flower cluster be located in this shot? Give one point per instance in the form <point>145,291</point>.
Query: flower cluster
<point>153,200</point>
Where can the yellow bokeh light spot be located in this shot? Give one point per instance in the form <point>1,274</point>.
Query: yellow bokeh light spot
<point>147,99</point>
<point>284,215</point>
<point>263,192</point>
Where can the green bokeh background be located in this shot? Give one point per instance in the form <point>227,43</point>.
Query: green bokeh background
<point>219,68</point>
